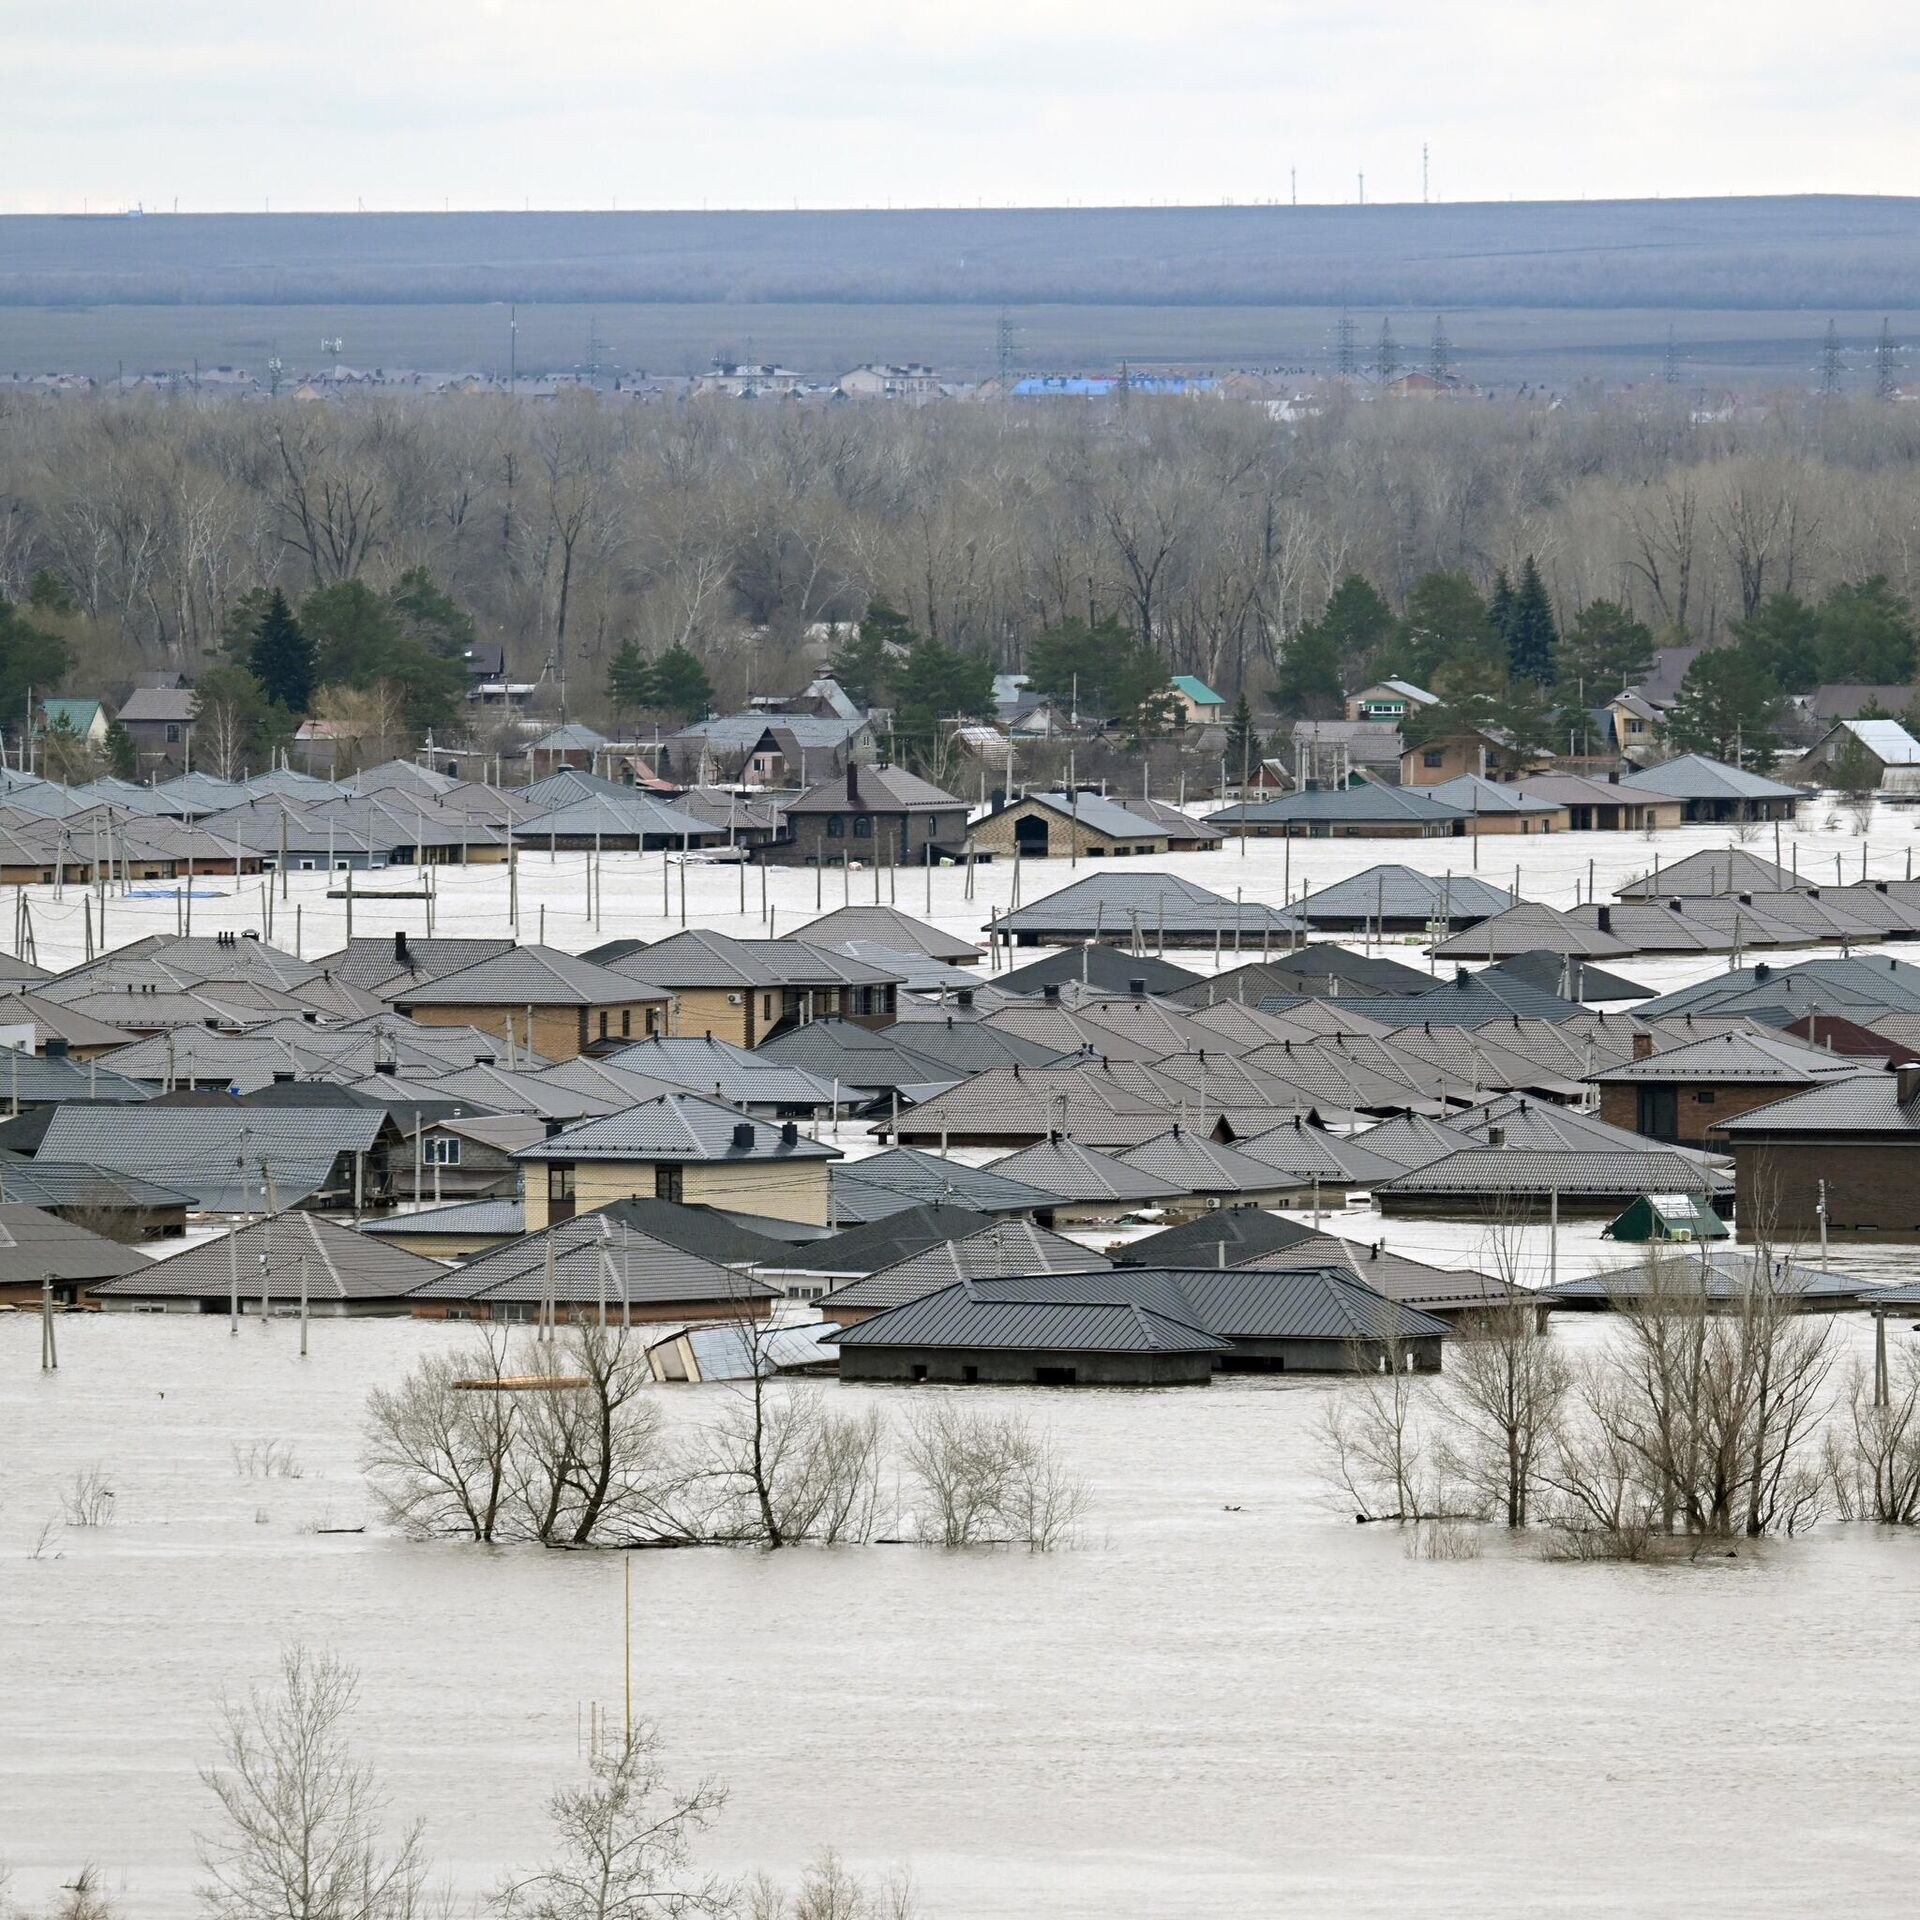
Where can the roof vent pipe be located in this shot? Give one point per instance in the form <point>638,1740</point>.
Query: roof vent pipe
<point>1907,1081</point>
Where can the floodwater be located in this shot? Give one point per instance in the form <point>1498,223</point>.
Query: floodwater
<point>1229,1701</point>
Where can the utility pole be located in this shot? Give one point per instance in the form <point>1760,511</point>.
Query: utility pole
<point>1363,189</point>
<point>1830,364</point>
<point>513,347</point>
<point>1423,173</point>
<point>1386,361</point>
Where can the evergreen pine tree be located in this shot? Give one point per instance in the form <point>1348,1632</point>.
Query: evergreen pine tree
<point>630,680</point>
<point>1500,611</point>
<point>1531,634</point>
<point>282,657</point>
<point>1243,742</point>
<point>680,684</point>
<point>122,761</point>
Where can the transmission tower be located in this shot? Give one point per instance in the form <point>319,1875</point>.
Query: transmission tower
<point>1423,173</point>
<point>1386,359</point>
<point>1670,367</point>
<point>1830,364</point>
<point>1884,382</point>
<point>1003,342</point>
<point>1440,355</point>
<point>1343,352</point>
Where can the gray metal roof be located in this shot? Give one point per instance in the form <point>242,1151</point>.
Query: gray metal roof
<point>465,1216</point>
<point>859,1057</point>
<point>1402,893</point>
<point>1862,1103</point>
<point>889,1239</point>
<point>717,1068</point>
<point>374,963</point>
<point>915,1178</point>
<point>1102,966</point>
<point>215,1153</point>
<point>34,1244</point>
<point>1226,1237</point>
<point>1530,928</point>
<point>1201,1166</point>
<point>42,1080</point>
<point>1094,814</point>
<point>266,1257</point>
<point>596,1256</point>
<point>1716,870</point>
<point>1469,790</point>
<point>44,1181</point>
<point>1868,981</point>
<point>1110,903</point>
<point>1077,1172</point>
<point>701,958</point>
<point>1536,1173</point>
<point>1223,1305</point>
<point>1754,1059</point>
<point>1005,1247</point>
<point>1412,1283</point>
<point>676,1127</point>
<point>1718,1273</point>
<point>1572,976</point>
<point>1692,776</point>
<point>622,816</point>
<point>573,735</point>
<point>1470,999</point>
<point>1305,1152</point>
<point>532,975</point>
<point>886,927</point>
<point>1370,801</point>
<point>877,790</point>
<point>741,732</point>
<point>968,1318</point>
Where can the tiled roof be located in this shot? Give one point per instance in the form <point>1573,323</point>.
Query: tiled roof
<point>1096,965</point>
<point>1861,1103</point>
<point>341,1265</point>
<point>479,1217</point>
<point>1749,1059</point>
<point>915,1178</point>
<point>1108,903</point>
<point>1226,1237</point>
<point>1369,801</point>
<point>1693,776</point>
<point>887,927</point>
<point>1497,1170</point>
<point>966,1317</point>
<point>532,975</point>
<point>677,1127</point>
<point>1201,1166</point>
<point>893,1237</point>
<point>1094,814</point>
<point>1076,1172</point>
<point>700,958</point>
<point>1005,1247</point>
<point>716,1067</point>
<point>373,962</point>
<point>1402,893</point>
<point>876,790</point>
<point>1716,870</point>
<point>616,816</point>
<point>1530,928</point>
<point>36,1244</point>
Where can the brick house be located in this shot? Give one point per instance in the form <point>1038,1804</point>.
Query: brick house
<point>1853,1142</point>
<point>1040,825</point>
<point>564,1003</point>
<point>1678,1095</point>
<point>880,816</point>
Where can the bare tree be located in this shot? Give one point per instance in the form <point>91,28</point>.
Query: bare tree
<point>302,1836</point>
<point>1874,1462</point>
<point>623,1844</point>
<point>440,1454</point>
<point>985,1479</point>
<point>829,1890</point>
<point>1378,1438</point>
<point>1506,1385</point>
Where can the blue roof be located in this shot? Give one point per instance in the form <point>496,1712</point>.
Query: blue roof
<point>1197,690</point>
<point>1098,384</point>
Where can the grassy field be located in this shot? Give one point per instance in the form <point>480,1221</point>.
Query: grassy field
<point>1500,346</point>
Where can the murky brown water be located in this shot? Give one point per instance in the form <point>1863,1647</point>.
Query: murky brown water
<point>1206,1712</point>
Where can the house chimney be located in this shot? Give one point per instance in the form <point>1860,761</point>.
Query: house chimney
<point>553,1127</point>
<point>964,998</point>
<point>853,785</point>
<point>1673,906</point>
<point>789,1133</point>
<point>1051,991</point>
<point>386,1066</point>
<point>1746,899</point>
<point>1606,919</point>
<point>282,1078</point>
<point>1642,1046</point>
<point>743,1135</point>
<point>1907,1081</point>
<point>1137,988</point>
<point>1613,777</point>
<point>400,954</point>
<point>1496,1136</point>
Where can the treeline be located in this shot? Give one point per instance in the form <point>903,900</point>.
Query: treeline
<point>1215,539</point>
<point>1821,255</point>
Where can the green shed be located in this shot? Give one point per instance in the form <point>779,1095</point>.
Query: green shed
<point>1667,1216</point>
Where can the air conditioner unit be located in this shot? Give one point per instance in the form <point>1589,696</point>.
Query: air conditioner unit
<point>1213,1201</point>
<point>1681,1233</point>
<point>735,999</point>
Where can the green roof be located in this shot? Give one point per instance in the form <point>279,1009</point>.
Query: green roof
<point>78,714</point>
<point>1197,690</point>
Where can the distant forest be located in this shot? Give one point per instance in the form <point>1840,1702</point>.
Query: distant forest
<point>1817,253</point>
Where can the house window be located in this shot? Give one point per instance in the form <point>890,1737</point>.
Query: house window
<point>603,1023</point>
<point>560,1182</point>
<point>1703,1097</point>
<point>836,827</point>
<point>863,826</point>
<point>626,1023</point>
<point>441,1150</point>
<point>173,736</point>
<point>1636,726</point>
<point>669,1183</point>
<point>1433,757</point>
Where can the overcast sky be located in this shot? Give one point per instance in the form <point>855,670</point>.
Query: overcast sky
<point>585,103</point>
